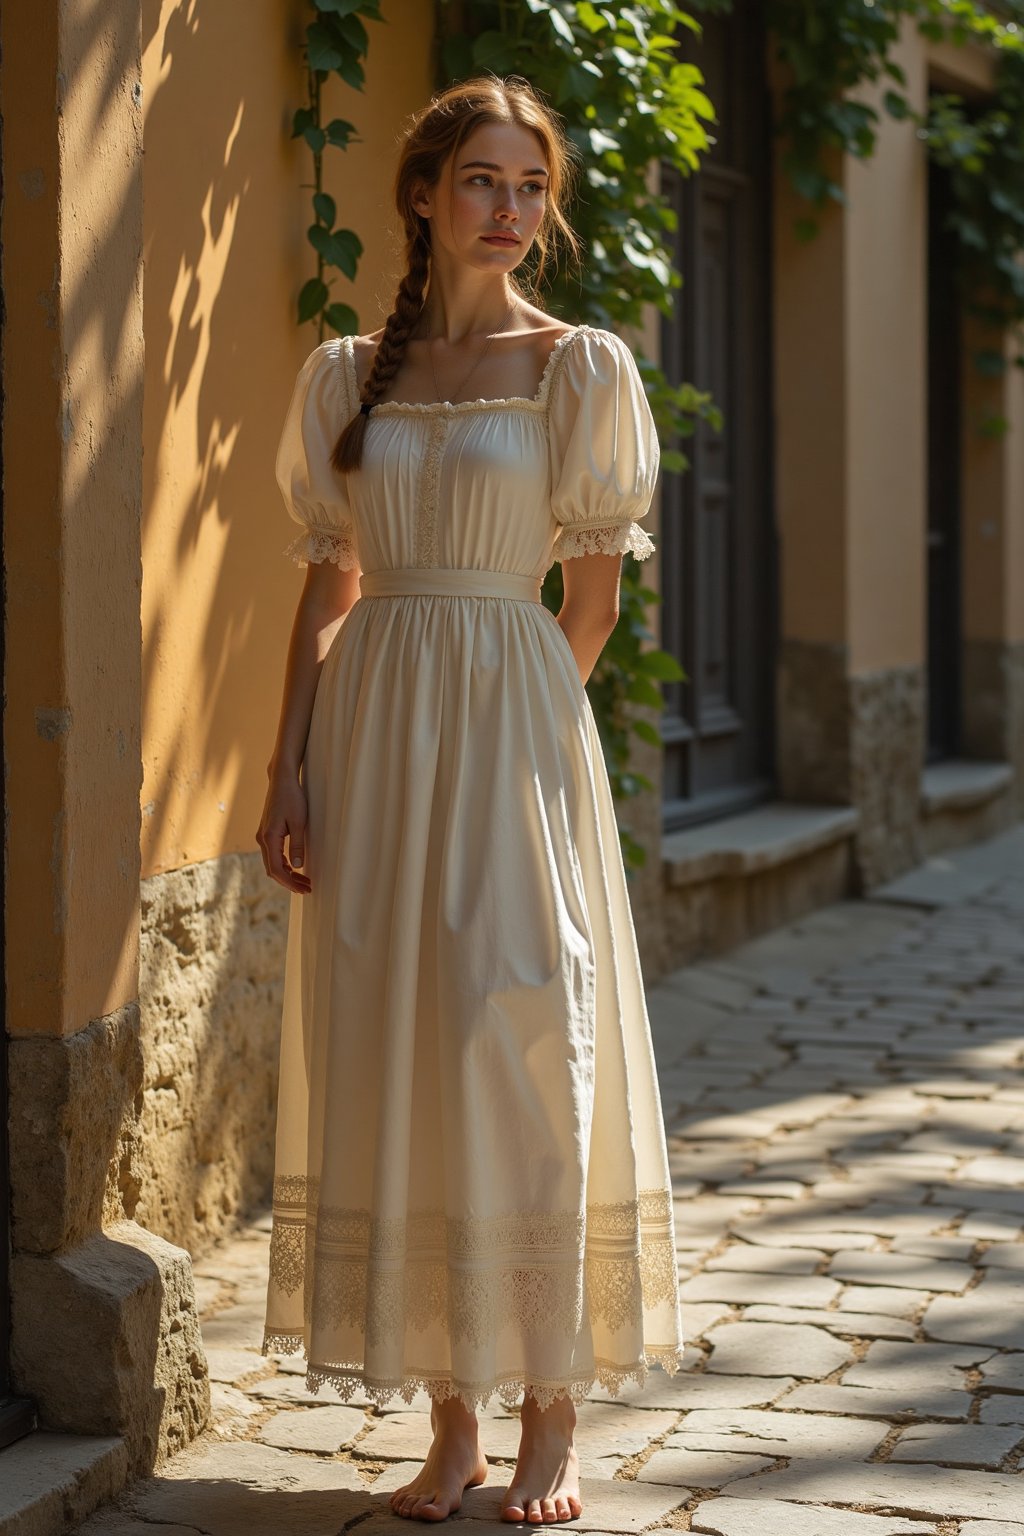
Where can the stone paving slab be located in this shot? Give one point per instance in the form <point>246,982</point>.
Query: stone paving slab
<point>771,1432</point>
<point>676,1467</point>
<point>959,1445</point>
<point>771,1349</point>
<point>324,1430</point>
<point>772,1517</point>
<point>862,1325</point>
<point>878,1402</point>
<point>935,1492</point>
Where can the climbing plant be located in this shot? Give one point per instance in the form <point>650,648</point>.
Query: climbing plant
<point>335,42</point>
<point>834,47</point>
<point>613,73</point>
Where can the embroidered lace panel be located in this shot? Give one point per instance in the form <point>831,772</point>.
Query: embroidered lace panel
<point>316,544</point>
<point>617,539</point>
<point>382,1276</point>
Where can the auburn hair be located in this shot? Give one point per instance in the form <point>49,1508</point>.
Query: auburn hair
<point>436,132</point>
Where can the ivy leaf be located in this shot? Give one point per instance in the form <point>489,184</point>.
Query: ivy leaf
<point>339,132</point>
<point>341,247</point>
<point>302,120</point>
<point>312,298</point>
<point>354,33</point>
<point>896,105</point>
<point>343,319</point>
<point>315,138</point>
<point>322,49</point>
<point>647,732</point>
<point>339,7</point>
<point>660,664</point>
<point>562,27</point>
<point>352,72</point>
<point>326,210</point>
<point>640,690</point>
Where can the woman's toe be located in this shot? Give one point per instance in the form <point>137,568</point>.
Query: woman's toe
<point>535,1513</point>
<point>562,1509</point>
<point>547,1509</point>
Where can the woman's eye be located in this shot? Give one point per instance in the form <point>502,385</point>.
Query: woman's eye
<point>483,176</point>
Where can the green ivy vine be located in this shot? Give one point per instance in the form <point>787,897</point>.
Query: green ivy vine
<point>832,48</point>
<point>336,42</point>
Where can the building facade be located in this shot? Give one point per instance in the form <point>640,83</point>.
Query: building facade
<point>841,575</point>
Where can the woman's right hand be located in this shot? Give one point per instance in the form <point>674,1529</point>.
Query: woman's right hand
<point>285,814</point>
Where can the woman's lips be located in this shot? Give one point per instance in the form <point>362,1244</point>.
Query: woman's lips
<point>500,240</point>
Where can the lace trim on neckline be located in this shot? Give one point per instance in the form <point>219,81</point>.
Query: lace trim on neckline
<point>537,402</point>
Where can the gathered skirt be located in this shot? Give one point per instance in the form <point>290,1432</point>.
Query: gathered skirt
<point>471,1189</point>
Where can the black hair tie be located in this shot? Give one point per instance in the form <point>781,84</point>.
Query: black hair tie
<point>366,408</point>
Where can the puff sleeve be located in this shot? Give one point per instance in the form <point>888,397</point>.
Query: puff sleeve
<point>604,449</point>
<point>315,495</point>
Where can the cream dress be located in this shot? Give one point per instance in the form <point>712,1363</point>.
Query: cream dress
<point>472,1191</point>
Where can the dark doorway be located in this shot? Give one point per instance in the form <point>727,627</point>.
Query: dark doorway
<point>945,425</point>
<point>717,538</point>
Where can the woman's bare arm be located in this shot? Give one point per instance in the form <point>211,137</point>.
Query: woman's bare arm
<point>326,598</point>
<point>590,606</point>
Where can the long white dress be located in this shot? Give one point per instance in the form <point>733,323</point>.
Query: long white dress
<point>471,1191</point>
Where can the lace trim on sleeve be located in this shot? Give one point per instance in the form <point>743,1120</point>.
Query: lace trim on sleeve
<point>317,544</point>
<point>616,539</point>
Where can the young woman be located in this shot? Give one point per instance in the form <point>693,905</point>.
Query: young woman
<point>472,1191</point>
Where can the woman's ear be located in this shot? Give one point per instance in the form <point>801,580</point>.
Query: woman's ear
<point>421,199</point>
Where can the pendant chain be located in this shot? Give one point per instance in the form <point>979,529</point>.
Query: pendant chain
<point>483,354</point>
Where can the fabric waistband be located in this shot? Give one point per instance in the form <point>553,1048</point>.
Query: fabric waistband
<point>434,581</point>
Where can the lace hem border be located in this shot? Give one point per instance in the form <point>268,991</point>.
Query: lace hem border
<point>348,1378</point>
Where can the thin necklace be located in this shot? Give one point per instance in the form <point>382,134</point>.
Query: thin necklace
<point>483,354</point>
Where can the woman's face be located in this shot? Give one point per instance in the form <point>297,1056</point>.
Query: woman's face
<point>495,184</point>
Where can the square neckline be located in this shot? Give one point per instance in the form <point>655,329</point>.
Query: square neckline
<point>536,402</point>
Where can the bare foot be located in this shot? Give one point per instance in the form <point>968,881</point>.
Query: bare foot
<point>545,1486</point>
<point>454,1462</point>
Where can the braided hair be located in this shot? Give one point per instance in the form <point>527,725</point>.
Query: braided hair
<point>436,132</point>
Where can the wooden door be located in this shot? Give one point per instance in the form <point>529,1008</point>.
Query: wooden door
<point>717,541</point>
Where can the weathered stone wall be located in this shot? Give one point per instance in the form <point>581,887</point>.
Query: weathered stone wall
<point>855,741</point>
<point>212,969</point>
<point>993,706</point>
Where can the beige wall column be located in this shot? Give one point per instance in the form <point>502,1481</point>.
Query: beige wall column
<point>104,1329</point>
<point>992,616</point>
<point>850,491</point>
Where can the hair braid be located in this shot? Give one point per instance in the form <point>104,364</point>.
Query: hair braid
<point>399,326</point>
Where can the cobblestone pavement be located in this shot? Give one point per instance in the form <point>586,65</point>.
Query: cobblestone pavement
<point>846,1119</point>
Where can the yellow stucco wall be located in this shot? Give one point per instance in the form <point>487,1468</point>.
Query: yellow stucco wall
<point>225,257</point>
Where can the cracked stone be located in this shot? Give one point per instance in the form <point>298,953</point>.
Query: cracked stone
<point>231,1411</point>
<point>774,1432</point>
<point>324,1430</point>
<point>234,1365</point>
<point>775,1349</point>
<point>699,1469</point>
<point>749,1256</point>
<point>991,1314</point>
<point>900,1301</point>
<point>924,1367</point>
<point>1004,1370</point>
<point>862,1325</point>
<point>899,1269</point>
<point>971,1445</point>
<point>1002,1408</point>
<point>941,1493</point>
<point>1005,1256</point>
<point>822,1397</point>
<point>238,1488</point>
<point>772,1517</point>
<point>793,1291</point>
